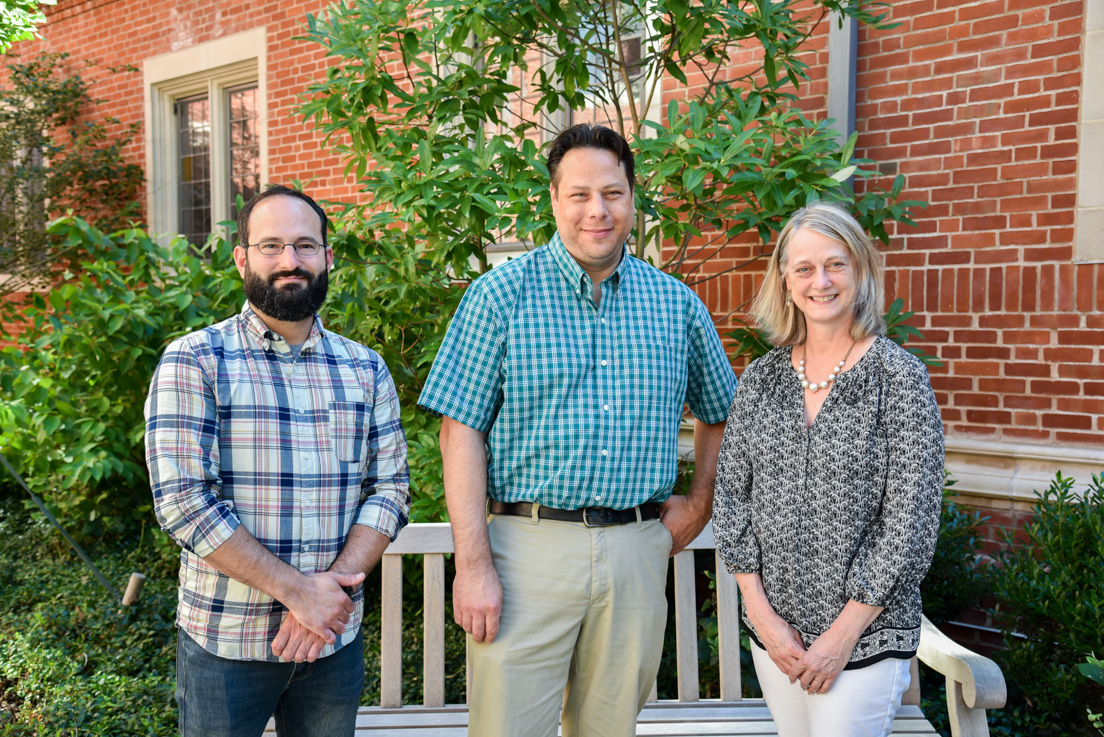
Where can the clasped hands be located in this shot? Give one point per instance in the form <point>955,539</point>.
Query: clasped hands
<point>817,667</point>
<point>318,612</point>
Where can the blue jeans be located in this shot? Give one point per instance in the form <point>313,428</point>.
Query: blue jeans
<point>234,698</point>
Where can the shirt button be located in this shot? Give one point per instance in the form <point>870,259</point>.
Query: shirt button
<point>302,411</point>
<point>597,497</point>
<point>605,407</point>
<point>603,321</point>
<point>603,363</point>
<point>605,452</point>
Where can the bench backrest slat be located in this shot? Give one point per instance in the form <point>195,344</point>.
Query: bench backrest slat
<point>686,627</point>
<point>434,628</point>
<point>391,633</point>
<point>728,632</point>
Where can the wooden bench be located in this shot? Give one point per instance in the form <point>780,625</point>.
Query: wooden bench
<point>974,683</point>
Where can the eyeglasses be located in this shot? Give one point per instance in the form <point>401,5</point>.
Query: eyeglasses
<point>275,248</point>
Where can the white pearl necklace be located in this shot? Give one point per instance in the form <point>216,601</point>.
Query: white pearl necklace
<point>814,386</point>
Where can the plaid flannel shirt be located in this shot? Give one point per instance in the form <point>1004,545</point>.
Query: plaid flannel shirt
<point>581,402</point>
<point>240,431</point>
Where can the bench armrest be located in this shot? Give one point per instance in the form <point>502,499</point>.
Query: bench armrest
<point>974,682</point>
<point>982,681</point>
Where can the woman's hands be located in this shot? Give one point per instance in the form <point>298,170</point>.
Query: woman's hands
<point>817,667</point>
<point>821,664</point>
<point>781,641</point>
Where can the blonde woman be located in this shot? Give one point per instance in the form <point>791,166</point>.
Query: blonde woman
<point>828,486</point>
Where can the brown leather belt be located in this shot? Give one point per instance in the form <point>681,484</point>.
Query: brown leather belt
<point>589,516</point>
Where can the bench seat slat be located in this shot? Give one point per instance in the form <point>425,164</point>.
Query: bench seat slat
<point>704,719</point>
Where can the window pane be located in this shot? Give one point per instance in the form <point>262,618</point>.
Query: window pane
<point>244,147</point>
<point>607,87</point>
<point>193,116</point>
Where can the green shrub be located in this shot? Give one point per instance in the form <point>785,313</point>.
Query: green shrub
<point>74,385</point>
<point>72,661</point>
<point>955,581</point>
<point>1050,604</point>
<point>1093,669</point>
<point>393,295</point>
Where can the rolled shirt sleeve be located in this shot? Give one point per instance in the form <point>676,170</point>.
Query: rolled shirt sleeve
<point>896,551</point>
<point>385,489</point>
<point>182,453</point>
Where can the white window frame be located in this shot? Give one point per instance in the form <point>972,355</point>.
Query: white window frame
<point>210,68</point>
<point>1088,242</point>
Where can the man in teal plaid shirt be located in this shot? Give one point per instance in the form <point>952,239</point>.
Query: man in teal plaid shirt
<point>561,384</point>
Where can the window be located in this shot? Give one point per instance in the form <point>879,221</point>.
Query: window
<point>193,151</point>
<point>22,214</point>
<point>608,91</point>
<point>607,99</point>
<point>207,120</point>
<point>1089,239</point>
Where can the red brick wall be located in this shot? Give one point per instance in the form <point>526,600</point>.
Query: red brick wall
<point>976,103</point>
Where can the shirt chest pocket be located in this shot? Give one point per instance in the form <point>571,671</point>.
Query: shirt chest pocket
<point>348,423</point>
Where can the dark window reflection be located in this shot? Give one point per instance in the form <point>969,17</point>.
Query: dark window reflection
<point>244,149</point>
<point>193,120</point>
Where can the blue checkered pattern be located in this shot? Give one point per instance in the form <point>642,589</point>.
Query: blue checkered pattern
<point>581,403</point>
<point>241,432</point>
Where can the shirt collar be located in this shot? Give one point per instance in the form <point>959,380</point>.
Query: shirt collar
<point>260,332</point>
<point>579,279</point>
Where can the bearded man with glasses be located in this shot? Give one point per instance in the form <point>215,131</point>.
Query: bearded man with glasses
<point>278,464</point>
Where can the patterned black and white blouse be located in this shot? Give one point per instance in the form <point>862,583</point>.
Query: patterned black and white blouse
<point>848,509</point>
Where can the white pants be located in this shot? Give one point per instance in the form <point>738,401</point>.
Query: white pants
<point>861,703</point>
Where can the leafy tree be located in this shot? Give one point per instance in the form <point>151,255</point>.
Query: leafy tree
<point>19,19</point>
<point>440,108</point>
<point>53,158</point>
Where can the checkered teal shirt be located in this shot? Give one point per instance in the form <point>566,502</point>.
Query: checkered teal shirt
<point>581,403</point>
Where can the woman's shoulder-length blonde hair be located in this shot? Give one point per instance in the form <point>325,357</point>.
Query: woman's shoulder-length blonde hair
<point>776,315</point>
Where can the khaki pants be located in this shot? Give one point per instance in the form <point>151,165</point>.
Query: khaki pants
<point>583,608</point>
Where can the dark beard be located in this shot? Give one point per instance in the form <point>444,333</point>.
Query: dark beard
<point>291,303</point>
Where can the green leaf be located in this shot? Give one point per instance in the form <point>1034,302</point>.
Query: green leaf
<point>692,179</point>
<point>115,322</point>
